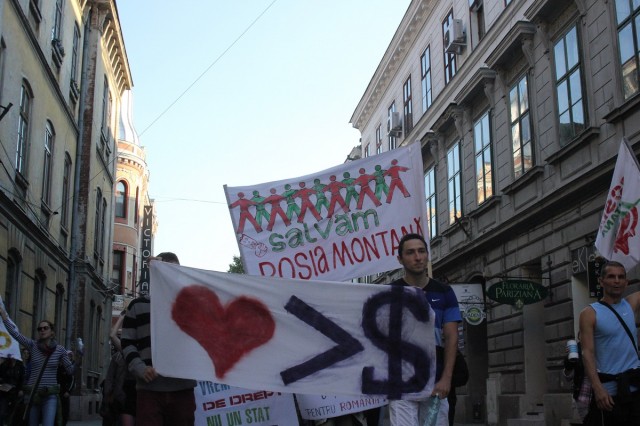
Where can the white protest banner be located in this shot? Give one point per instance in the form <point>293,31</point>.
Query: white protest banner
<point>341,223</point>
<point>9,347</point>
<point>223,405</point>
<point>317,407</point>
<point>618,232</point>
<point>291,336</point>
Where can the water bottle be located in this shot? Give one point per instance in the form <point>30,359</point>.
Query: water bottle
<point>433,408</point>
<point>80,346</point>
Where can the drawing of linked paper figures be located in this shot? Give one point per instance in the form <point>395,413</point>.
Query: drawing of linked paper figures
<point>260,248</point>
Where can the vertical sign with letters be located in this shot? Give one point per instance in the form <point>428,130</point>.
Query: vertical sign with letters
<point>145,249</point>
<point>593,274</point>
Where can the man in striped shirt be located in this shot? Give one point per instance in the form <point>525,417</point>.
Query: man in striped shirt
<point>160,400</point>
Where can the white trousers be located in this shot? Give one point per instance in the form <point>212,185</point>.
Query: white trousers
<point>412,413</point>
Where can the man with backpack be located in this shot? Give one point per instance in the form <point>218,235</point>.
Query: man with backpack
<point>610,351</point>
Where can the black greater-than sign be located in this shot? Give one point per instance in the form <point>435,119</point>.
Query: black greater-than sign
<point>397,350</point>
<point>346,348</point>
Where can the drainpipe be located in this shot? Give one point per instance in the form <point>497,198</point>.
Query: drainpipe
<point>75,231</point>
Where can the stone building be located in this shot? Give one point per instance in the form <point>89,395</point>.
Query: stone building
<point>520,108</point>
<point>63,72</point>
<point>135,219</point>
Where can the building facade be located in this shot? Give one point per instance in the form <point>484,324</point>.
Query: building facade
<point>135,218</point>
<point>520,108</point>
<point>63,72</point>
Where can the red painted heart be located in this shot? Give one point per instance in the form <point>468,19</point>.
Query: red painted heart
<point>227,333</point>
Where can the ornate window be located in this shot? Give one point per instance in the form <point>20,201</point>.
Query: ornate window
<point>49,136</point>
<point>24,117</point>
<point>407,106</point>
<point>484,169</point>
<point>454,182</point>
<point>449,58</point>
<point>627,18</point>
<point>393,140</point>
<point>66,191</point>
<point>430,195</point>
<point>121,199</point>
<point>425,72</point>
<point>571,108</point>
<point>520,127</point>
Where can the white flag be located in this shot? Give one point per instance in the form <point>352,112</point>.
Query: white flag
<point>617,235</point>
<point>9,347</point>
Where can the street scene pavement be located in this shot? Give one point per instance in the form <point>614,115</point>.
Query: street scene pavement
<point>97,422</point>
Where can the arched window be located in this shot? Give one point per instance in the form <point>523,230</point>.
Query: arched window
<point>59,309</point>
<point>96,229</point>
<point>91,341</point>
<point>117,271</point>
<point>103,227</point>
<point>12,282</point>
<point>66,191</point>
<point>137,207</point>
<point>49,136</point>
<point>38,306</point>
<point>24,117</point>
<point>121,199</point>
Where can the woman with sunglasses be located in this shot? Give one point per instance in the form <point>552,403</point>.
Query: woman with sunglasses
<point>45,400</point>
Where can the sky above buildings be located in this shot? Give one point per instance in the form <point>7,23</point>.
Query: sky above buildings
<point>243,92</point>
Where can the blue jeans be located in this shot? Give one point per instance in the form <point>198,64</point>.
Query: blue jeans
<point>47,409</point>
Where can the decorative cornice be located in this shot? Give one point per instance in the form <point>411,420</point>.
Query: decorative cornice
<point>481,82</point>
<point>458,115</point>
<point>518,41</point>
<point>432,140</point>
<point>446,119</point>
<point>405,36</point>
<point>108,23</point>
<point>549,9</point>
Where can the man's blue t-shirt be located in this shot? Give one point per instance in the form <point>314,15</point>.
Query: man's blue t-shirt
<point>443,302</point>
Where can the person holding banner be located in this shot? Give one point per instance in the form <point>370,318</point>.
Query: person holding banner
<point>11,381</point>
<point>609,340</point>
<point>413,255</point>
<point>160,400</point>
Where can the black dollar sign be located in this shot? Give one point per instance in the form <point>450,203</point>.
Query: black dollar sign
<point>398,351</point>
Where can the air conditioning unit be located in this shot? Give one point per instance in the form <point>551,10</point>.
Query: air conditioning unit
<point>455,39</point>
<point>395,124</point>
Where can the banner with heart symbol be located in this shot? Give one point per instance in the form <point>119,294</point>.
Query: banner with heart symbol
<point>291,336</point>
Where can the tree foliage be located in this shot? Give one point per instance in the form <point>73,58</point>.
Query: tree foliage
<point>236,267</point>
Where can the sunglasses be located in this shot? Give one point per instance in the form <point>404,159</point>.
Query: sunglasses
<point>45,328</point>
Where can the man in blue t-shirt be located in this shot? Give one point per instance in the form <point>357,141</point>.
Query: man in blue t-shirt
<point>610,351</point>
<point>414,257</point>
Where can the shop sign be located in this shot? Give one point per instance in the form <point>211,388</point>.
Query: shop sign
<point>470,301</point>
<point>517,292</point>
<point>145,249</point>
<point>474,314</point>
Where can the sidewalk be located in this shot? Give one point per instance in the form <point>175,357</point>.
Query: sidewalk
<point>97,422</point>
